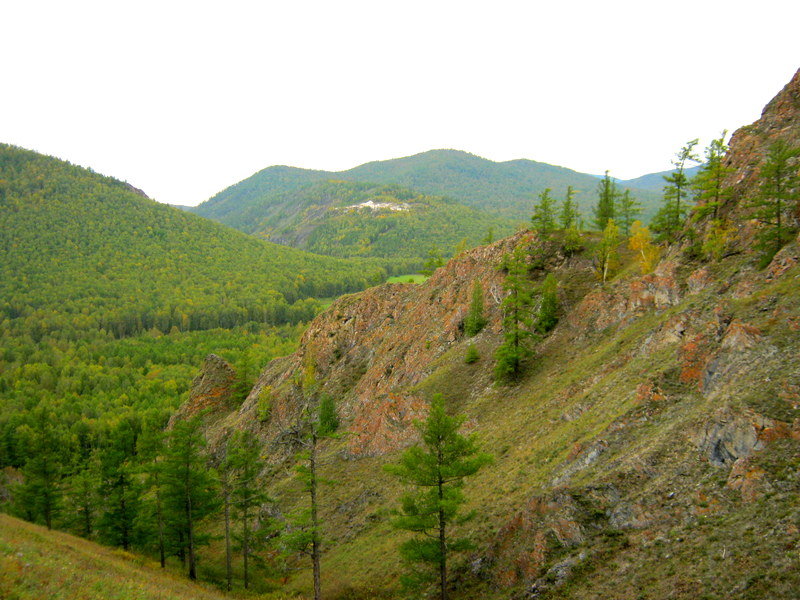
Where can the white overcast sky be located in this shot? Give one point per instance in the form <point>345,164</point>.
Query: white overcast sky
<point>183,99</point>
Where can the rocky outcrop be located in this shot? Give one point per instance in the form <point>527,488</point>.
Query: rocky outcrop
<point>780,120</point>
<point>211,391</point>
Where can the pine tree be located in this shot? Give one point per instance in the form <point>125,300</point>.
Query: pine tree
<point>436,471</point>
<point>780,189</point>
<point>709,183</point>
<point>475,320</point>
<point>433,262</point>
<point>669,219</point>
<point>190,487</point>
<point>544,213</point>
<point>517,319</point>
<point>569,215</point>
<point>629,207</point>
<point>606,202</point>
<point>151,450</point>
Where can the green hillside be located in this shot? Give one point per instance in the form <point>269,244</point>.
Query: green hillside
<point>346,219</point>
<point>36,564</point>
<point>82,251</point>
<point>655,181</point>
<point>504,188</point>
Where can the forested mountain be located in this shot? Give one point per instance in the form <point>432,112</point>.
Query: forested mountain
<point>347,219</point>
<point>655,181</point>
<point>504,188</point>
<point>85,251</point>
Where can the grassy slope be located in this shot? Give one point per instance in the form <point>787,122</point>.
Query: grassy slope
<point>36,563</point>
<point>703,539</point>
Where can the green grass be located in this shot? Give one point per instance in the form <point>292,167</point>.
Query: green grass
<point>36,564</point>
<point>410,278</point>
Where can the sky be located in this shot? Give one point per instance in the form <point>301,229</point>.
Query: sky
<point>183,99</point>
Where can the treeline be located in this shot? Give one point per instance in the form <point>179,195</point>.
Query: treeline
<point>81,251</point>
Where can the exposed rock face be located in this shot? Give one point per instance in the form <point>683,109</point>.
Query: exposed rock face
<point>780,120</point>
<point>211,390</point>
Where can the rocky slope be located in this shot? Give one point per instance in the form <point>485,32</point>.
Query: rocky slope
<point>652,449</point>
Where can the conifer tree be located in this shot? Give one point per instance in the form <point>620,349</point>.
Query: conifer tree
<point>779,191</point>
<point>435,470</point>
<point>119,486</point>
<point>433,262</point>
<point>629,207</point>
<point>548,308</point>
<point>517,318</point>
<point>544,213</point>
<point>475,320</point>
<point>569,215</point>
<point>669,219</point>
<point>40,494</point>
<point>190,487</point>
<point>305,534</point>
<point>241,467</point>
<point>709,183</point>
<point>151,450</point>
<point>606,202</point>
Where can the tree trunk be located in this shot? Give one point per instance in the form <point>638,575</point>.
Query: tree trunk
<point>315,545</point>
<point>245,544</point>
<point>228,569</point>
<point>442,535</point>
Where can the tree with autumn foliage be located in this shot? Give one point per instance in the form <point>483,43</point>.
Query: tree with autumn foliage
<point>647,253</point>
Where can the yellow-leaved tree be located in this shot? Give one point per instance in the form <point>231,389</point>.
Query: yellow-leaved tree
<point>647,252</point>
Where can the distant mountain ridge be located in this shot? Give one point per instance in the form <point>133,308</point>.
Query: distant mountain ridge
<point>504,188</point>
<point>345,219</point>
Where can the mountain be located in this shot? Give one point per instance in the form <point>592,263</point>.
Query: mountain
<point>85,251</point>
<point>507,188</point>
<point>346,219</point>
<point>655,181</point>
<point>650,449</point>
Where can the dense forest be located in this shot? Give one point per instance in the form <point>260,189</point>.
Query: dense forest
<point>82,251</point>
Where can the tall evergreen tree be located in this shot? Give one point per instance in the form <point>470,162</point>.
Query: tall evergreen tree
<point>517,317</point>
<point>669,219</point>
<point>119,486</point>
<point>190,487</point>
<point>779,191</point>
<point>242,465</point>
<point>629,208</point>
<point>606,202</point>
<point>40,494</point>
<point>544,213</point>
<point>436,471</point>
<point>151,452</point>
<point>475,320</point>
<point>569,215</point>
<point>305,533</point>
<point>709,183</point>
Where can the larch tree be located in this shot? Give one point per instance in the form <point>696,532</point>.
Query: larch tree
<point>435,470</point>
<point>779,191</point>
<point>517,317</point>
<point>544,213</point>
<point>646,253</point>
<point>475,320</point>
<point>669,219</point>
<point>629,208</point>
<point>569,216</point>
<point>606,208</point>
<point>190,487</point>
<point>709,183</point>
